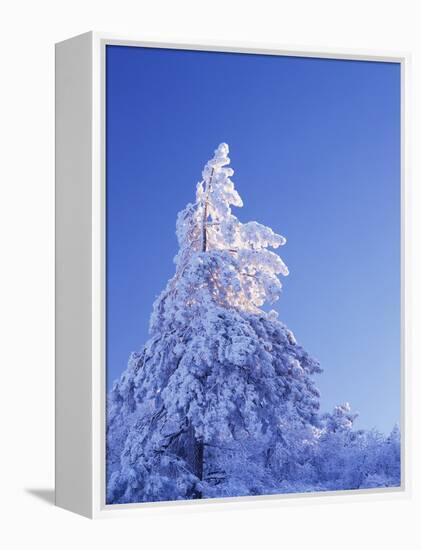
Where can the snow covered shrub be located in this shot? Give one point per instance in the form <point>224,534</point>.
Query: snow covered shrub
<point>221,399</point>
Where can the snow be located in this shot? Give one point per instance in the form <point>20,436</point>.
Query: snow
<point>221,400</point>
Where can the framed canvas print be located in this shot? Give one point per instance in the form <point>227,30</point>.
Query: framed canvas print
<point>230,266</point>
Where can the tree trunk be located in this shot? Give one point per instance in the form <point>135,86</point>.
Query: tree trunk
<point>198,458</point>
<point>205,213</point>
<point>190,449</point>
<point>197,462</point>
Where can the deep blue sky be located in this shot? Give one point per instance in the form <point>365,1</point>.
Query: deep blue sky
<point>315,145</point>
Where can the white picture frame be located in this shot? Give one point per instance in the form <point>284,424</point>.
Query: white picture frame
<point>80,274</point>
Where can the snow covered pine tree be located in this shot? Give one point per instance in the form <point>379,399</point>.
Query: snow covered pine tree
<point>220,401</point>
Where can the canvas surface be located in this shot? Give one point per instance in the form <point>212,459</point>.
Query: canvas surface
<point>240,370</point>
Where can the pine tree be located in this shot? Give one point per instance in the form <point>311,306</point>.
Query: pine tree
<point>218,373</point>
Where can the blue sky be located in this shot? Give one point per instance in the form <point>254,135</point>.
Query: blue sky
<point>315,145</point>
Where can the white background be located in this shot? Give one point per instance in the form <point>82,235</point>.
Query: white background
<point>28,30</point>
